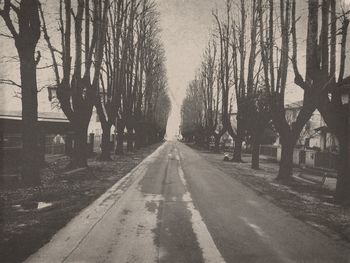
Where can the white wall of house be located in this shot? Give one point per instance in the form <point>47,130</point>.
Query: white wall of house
<point>95,124</point>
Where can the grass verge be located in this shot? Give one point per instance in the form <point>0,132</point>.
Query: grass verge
<point>31,216</point>
<point>311,203</point>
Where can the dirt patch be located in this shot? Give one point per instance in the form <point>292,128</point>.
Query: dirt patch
<point>31,216</point>
<point>311,203</point>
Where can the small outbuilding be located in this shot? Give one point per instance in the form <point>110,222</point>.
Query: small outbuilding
<point>53,129</point>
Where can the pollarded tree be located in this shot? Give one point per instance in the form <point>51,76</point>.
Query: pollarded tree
<point>109,98</point>
<point>206,86</point>
<point>26,37</point>
<point>192,113</point>
<point>155,81</point>
<point>150,79</point>
<point>324,80</point>
<point>224,70</point>
<point>140,65</point>
<point>211,93</point>
<point>77,92</point>
<point>275,58</point>
<point>246,77</point>
<point>161,113</point>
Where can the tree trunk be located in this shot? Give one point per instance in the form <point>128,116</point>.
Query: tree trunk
<point>69,144</point>
<point>119,149</point>
<point>30,152</point>
<point>217,143</point>
<point>208,142</point>
<point>139,137</point>
<point>130,141</point>
<point>286,164</point>
<point>41,147</point>
<point>80,149</point>
<point>106,143</point>
<point>255,153</point>
<point>130,134</point>
<point>342,193</point>
<point>237,152</point>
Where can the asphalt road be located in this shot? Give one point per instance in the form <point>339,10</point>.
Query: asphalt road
<point>176,207</point>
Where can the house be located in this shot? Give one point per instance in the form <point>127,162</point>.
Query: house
<point>53,128</point>
<point>315,134</point>
<point>316,146</point>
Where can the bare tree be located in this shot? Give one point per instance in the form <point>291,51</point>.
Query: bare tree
<point>275,58</point>
<point>133,77</point>
<point>246,77</point>
<point>26,37</point>
<point>155,82</point>
<point>109,94</point>
<point>211,92</point>
<point>77,92</point>
<point>224,70</point>
<point>192,121</point>
<point>323,88</point>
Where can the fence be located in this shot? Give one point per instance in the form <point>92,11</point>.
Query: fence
<point>269,150</point>
<point>10,152</point>
<point>11,141</point>
<point>55,144</point>
<point>326,160</point>
<point>304,157</point>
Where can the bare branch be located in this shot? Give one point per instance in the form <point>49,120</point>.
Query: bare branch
<point>298,79</point>
<point>10,82</point>
<point>343,48</point>
<point>49,44</point>
<point>5,35</point>
<point>5,14</point>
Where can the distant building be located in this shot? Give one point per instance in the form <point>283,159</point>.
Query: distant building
<point>316,146</point>
<point>49,122</point>
<point>315,134</point>
<point>53,130</point>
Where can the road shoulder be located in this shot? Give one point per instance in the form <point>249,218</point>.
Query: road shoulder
<point>311,203</point>
<point>61,198</point>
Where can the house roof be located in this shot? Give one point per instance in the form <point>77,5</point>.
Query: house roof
<point>42,116</point>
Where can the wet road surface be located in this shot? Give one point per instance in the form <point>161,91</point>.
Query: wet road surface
<point>176,207</point>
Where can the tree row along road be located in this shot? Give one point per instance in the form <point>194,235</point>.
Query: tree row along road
<point>176,207</point>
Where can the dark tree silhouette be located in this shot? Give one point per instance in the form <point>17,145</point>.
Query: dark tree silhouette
<point>211,92</point>
<point>26,37</point>
<point>323,88</point>
<point>192,114</point>
<point>224,70</point>
<point>77,92</point>
<point>275,67</point>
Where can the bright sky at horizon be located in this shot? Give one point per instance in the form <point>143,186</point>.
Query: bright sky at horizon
<point>185,28</point>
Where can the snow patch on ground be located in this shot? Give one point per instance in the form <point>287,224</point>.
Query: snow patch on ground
<point>210,252</point>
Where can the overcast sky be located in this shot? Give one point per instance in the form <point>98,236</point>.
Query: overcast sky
<point>186,27</point>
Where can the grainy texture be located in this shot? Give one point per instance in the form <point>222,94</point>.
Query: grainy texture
<point>25,230</point>
<point>310,203</point>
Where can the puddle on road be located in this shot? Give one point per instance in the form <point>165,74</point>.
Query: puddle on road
<point>32,206</point>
